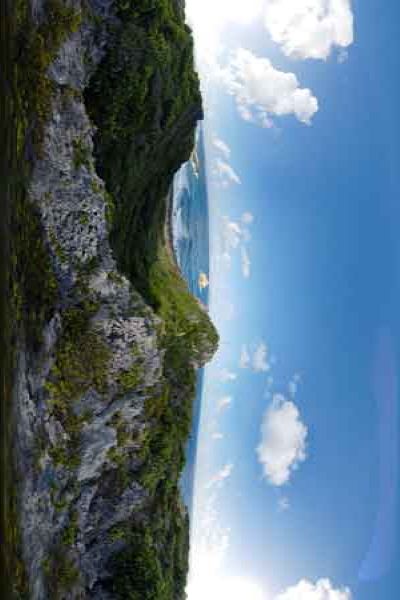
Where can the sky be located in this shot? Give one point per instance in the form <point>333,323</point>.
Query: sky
<point>296,487</point>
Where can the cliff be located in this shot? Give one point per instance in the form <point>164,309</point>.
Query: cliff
<point>107,336</point>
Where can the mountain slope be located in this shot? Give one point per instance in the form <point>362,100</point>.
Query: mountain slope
<point>108,338</point>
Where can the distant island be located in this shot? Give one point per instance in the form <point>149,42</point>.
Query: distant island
<point>107,338</point>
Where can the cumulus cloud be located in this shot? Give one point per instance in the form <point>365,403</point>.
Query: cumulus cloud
<point>221,476</point>
<point>246,263</point>
<point>225,174</point>
<point>263,92</point>
<point>310,28</point>
<point>260,359</point>
<point>225,375</point>
<point>223,403</point>
<point>217,435</point>
<point>222,147</point>
<point>322,590</point>
<point>283,440</point>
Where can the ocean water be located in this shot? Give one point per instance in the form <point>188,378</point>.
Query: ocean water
<point>190,227</point>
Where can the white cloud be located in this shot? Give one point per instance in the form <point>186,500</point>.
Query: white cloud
<point>223,403</point>
<point>322,590</point>
<point>225,174</point>
<point>222,147</point>
<point>283,441</point>
<point>247,218</point>
<point>262,92</point>
<point>310,28</point>
<point>232,234</point>
<point>225,375</point>
<point>217,435</point>
<point>244,361</point>
<point>221,476</point>
<point>257,360</point>
<point>260,359</point>
<point>246,263</point>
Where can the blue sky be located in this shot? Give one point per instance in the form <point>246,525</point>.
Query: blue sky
<point>296,492</point>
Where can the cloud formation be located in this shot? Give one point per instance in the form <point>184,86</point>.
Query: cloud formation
<point>234,236</point>
<point>322,590</point>
<point>310,28</point>
<point>223,403</point>
<point>225,174</point>
<point>225,375</point>
<point>257,360</point>
<point>283,441</point>
<point>260,359</point>
<point>246,262</point>
<point>221,147</point>
<point>221,476</point>
<point>244,361</point>
<point>263,92</point>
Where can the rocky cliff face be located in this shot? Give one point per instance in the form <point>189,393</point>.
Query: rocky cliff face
<point>97,394</point>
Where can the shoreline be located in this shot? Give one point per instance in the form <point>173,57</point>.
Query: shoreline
<point>168,230</point>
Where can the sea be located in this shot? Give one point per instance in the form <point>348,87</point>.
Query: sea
<point>190,230</point>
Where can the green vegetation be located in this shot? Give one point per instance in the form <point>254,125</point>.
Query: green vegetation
<point>35,288</point>
<point>36,48</point>
<point>155,563</point>
<point>82,154</point>
<point>61,573</point>
<point>82,359</point>
<point>145,101</point>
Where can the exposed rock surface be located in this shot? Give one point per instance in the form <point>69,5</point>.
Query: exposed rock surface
<point>80,439</point>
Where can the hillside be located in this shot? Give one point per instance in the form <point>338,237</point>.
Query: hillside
<point>107,337</point>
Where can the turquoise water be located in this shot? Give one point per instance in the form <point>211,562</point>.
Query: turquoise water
<point>190,224</point>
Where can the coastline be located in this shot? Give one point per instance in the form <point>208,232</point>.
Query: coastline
<point>169,231</point>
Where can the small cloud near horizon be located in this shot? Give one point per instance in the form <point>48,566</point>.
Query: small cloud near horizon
<point>225,375</point>
<point>221,147</point>
<point>224,402</point>
<point>222,475</point>
<point>225,174</point>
